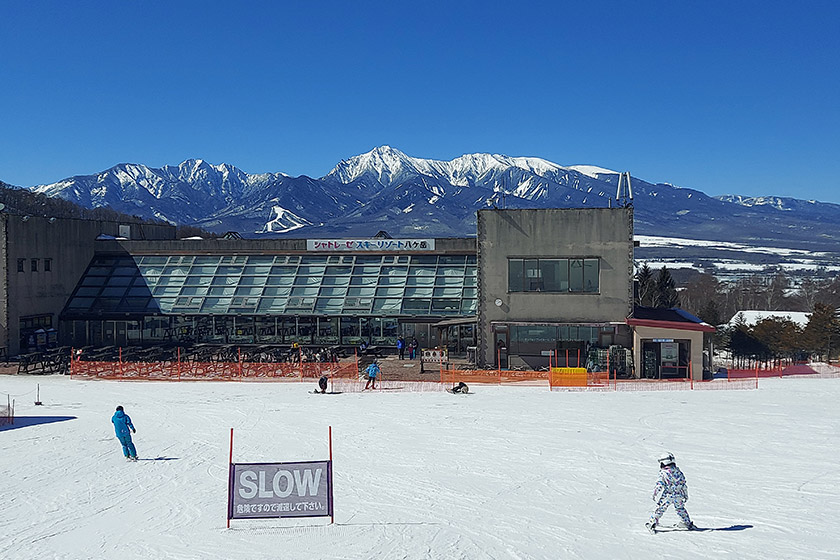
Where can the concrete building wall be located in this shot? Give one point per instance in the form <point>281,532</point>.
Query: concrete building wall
<point>68,246</point>
<point>605,233</point>
<point>650,333</point>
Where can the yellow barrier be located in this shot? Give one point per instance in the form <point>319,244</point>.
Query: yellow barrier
<point>568,377</point>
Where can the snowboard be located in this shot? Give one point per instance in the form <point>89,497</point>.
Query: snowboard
<point>327,393</point>
<point>670,528</point>
<point>450,391</point>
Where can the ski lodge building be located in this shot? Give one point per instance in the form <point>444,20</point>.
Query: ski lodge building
<point>532,288</point>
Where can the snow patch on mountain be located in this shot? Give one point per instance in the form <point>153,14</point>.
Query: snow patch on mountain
<point>284,221</point>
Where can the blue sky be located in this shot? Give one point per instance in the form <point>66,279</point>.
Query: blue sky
<point>724,97</point>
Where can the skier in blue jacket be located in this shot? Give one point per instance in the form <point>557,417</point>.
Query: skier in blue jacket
<point>372,371</point>
<point>670,489</point>
<point>124,429</point>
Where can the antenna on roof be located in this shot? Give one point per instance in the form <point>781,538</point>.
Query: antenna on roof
<point>624,193</point>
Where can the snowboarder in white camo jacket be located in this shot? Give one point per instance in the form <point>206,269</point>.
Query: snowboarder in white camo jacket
<point>670,489</point>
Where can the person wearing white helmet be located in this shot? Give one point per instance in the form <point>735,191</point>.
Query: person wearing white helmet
<point>670,489</point>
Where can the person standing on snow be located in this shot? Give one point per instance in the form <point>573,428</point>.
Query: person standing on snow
<point>372,371</point>
<point>124,428</point>
<point>670,489</point>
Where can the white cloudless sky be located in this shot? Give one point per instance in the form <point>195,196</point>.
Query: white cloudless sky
<point>721,97</point>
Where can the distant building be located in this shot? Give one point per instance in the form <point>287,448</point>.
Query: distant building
<point>41,261</point>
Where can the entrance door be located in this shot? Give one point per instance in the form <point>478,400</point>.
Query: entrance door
<point>501,349</point>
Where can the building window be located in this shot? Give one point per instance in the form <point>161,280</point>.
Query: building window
<point>34,265</point>
<point>554,275</point>
<point>47,265</point>
<point>21,265</point>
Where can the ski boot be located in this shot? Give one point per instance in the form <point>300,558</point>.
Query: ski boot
<point>651,526</point>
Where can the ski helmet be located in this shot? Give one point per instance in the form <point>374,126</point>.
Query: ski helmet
<point>666,458</point>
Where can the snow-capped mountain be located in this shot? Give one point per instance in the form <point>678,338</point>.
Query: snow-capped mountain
<point>407,196</point>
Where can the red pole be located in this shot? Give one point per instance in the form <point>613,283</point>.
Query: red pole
<point>756,375</point>
<point>121,370</point>
<point>239,351</point>
<point>230,476</point>
<point>499,360</point>
<point>691,374</point>
<point>332,508</point>
<point>567,357</point>
<point>72,355</point>
<point>578,358</point>
<point>179,363</point>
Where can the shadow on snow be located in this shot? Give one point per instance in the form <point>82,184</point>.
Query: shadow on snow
<point>24,421</point>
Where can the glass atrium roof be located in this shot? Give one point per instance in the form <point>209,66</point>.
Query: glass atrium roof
<point>378,285</point>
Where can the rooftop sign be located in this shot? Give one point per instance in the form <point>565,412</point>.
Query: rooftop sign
<point>351,245</point>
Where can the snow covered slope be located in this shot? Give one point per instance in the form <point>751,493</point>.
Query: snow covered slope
<point>506,472</point>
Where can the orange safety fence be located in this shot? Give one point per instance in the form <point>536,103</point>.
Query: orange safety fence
<point>212,371</point>
<point>492,376</point>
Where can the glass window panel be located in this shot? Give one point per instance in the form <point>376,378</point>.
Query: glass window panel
<point>394,270</point>
<point>391,306</point>
<point>222,290</point>
<point>363,281</point>
<point>334,292</point>
<point>333,259</point>
<point>181,260</point>
<point>392,280</point>
<point>206,260</point>
<point>469,281</point>
<point>233,259</point>
<point>113,292</point>
<point>368,259</point>
<point>389,292</point>
<point>313,259</point>
<point>176,270</point>
<point>170,281</point>
<point>225,280</point>
<point>276,291</point>
<point>279,280</point>
<point>450,270</point>
<point>472,259</point>
<point>471,271</point>
<point>356,292</point>
<point>260,260</point>
<point>470,292</point>
<point>198,280</point>
<point>329,304</point>
<point>576,275</point>
<point>167,291</point>
<point>300,304</point>
<point>414,306</point>
<point>87,292</point>
<point>80,303</point>
<point>154,260</point>
<point>338,270</point>
<point>550,271</point>
<point>420,281</point>
<point>365,270</point>
<point>421,271</point>
<point>120,280</point>
<point>418,292</point>
<point>139,290</point>
<point>272,305</point>
<point>311,270</point>
<point>451,259</point>
<point>246,291</point>
<point>134,303</point>
<point>336,281</point>
<point>151,270</point>
<point>192,291</point>
<point>468,306</point>
<point>305,291</point>
<point>165,304</point>
<point>449,281</point>
<point>283,270</point>
<point>590,275</point>
<point>107,304</point>
<point>125,270</point>
<point>93,281</point>
<point>252,281</point>
<point>358,303</point>
<point>446,306</point>
<point>308,280</point>
<point>215,305</point>
<point>533,280</point>
<point>402,259</point>
<point>448,292</point>
<point>99,271</point>
<point>424,259</point>
<point>205,270</point>
<point>229,270</point>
